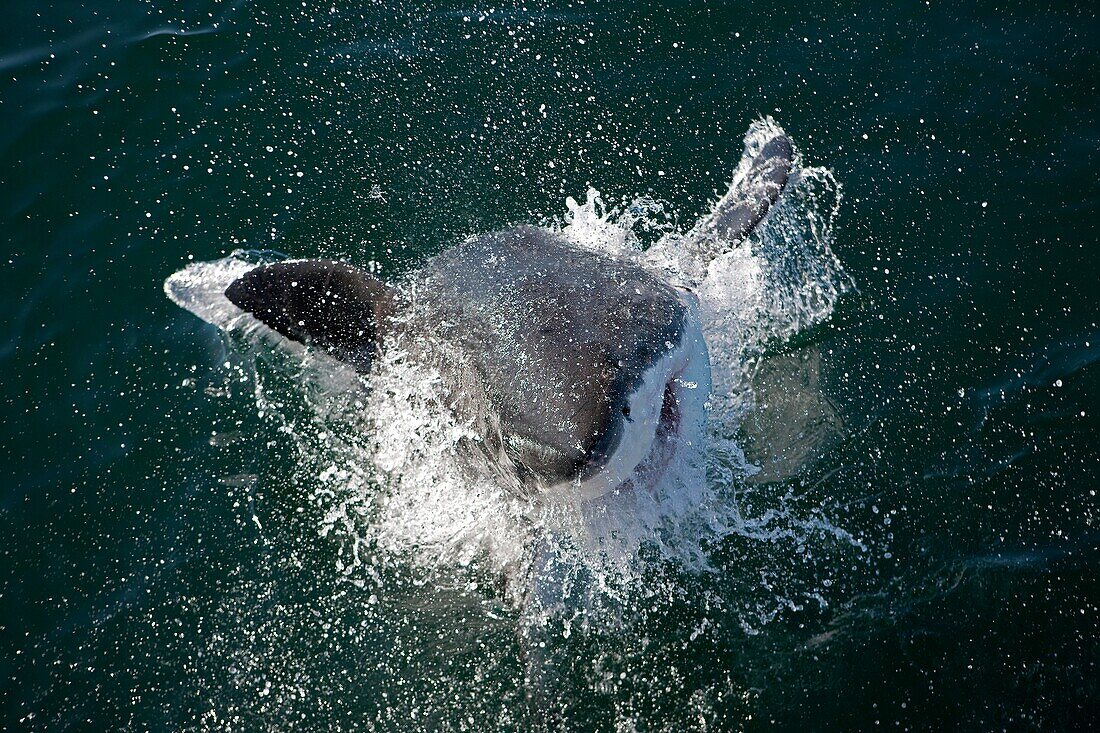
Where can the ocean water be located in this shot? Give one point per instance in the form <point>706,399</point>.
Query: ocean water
<point>893,525</point>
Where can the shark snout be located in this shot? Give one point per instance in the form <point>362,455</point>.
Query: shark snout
<point>643,419</point>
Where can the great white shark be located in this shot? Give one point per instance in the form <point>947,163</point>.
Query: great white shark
<point>577,371</point>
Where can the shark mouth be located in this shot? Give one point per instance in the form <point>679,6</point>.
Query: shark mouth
<point>661,414</point>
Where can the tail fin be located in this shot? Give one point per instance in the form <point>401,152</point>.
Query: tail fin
<point>330,304</point>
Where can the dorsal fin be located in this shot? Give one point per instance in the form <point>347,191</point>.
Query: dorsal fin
<point>330,304</point>
<point>755,189</point>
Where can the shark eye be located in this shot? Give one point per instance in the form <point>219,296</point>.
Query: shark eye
<point>626,411</point>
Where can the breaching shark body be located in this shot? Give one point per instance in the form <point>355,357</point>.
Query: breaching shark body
<point>576,371</point>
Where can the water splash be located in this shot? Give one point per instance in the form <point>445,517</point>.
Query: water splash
<point>383,460</point>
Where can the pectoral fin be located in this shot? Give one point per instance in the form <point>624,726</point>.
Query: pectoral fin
<point>329,304</point>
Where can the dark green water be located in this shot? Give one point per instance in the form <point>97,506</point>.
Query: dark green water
<point>162,568</point>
